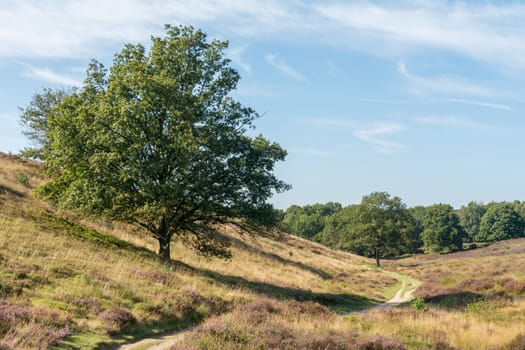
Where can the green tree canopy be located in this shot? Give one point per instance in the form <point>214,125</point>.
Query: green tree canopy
<point>500,222</point>
<point>380,227</point>
<point>470,218</point>
<point>441,229</point>
<point>308,221</point>
<point>158,142</point>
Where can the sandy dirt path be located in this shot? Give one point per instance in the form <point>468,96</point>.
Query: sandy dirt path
<point>161,342</point>
<point>166,342</point>
<point>402,296</point>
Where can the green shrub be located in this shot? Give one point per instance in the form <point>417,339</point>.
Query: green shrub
<point>419,304</point>
<point>22,179</point>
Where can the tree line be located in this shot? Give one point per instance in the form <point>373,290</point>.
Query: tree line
<point>382,226</point>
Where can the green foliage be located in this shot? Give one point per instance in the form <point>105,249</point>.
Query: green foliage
<point>480,307</point>
<point>500,222</point>
<point>34,119</point>
<point>419,304</point>
<point>441,229</point>
<point>470,218</point>
<point>308,221</point>
<point>379,227</point>
<point>157,141</point>
<point>418,212</point>
<point>22,179</point>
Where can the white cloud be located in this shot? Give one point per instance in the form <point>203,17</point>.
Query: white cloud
<point>235,54</point>
<point>443,84</point>
<point>375,137</point>
<point>480,103</point>
<point>282,66</point>
<point>47,75</point>
<point>479,30</point>
<point>78,28</point>
<point>454,122</point>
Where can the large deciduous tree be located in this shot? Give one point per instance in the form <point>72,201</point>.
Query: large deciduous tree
<point>380,227</point>
<point>157,141</point>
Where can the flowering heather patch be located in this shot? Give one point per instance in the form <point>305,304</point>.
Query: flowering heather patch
<point>379,343</point>
<point>513,286</point>
<point>284,325</point>
<point>33,336</point>
<point>22,327</point>
<point>116,318</point>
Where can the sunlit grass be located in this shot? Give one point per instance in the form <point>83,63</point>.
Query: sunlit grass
<point>87,270</point>
<point>86,283</point>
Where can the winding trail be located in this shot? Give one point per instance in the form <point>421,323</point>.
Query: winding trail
<point>161,342</point>
<point>167,341</point>
<point>402,296</point>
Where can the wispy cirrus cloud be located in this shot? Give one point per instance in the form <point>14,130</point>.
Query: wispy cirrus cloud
<point>235,54</point>
<point>47,75</point>
<point>487,32</point>
<point>78,28</point>
<point>454,122</point>
<point>443,84</point>
<point>282,66</point>
<point>480,103</point>
<point>376,134</point>
<point>480,30</point>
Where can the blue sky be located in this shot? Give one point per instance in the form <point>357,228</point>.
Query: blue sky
<point>422,99</point>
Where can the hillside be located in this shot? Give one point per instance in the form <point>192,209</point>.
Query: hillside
<point>83,284</point>
<point>76,283</point>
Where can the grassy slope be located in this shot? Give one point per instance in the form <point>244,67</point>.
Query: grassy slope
<point>101,283</point>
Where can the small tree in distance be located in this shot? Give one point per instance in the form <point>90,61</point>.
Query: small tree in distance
<point>156,141</point>
<point>500,222</point>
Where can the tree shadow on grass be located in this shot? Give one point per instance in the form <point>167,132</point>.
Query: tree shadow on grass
<point>244,246</point>
<point>455,300</point>
<point>335,301</point>
<point>339,301</point>
<point>4,189</point>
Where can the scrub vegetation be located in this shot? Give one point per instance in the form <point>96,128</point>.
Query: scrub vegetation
<point>74,283</point>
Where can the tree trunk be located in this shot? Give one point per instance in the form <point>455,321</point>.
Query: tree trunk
<point>164,248</point>
<point>377,257</point>
<point>164,241</point>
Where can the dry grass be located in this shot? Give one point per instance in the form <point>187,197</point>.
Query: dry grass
<point>107,286</point>
<point>458,329</point>
<point>83,283</point>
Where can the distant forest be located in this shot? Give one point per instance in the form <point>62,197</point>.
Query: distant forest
<point>382,226</point>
